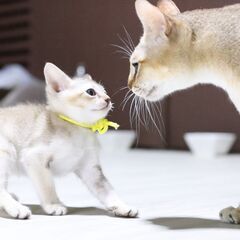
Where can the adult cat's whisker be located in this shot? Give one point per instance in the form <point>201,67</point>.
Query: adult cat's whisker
<point>122,48</point>
<point>125,97</point>
<point>138,113</point>
<point>125,57</point>
<point>132,112</point>
<point>155,115</point>
<point>119,90</point>
<point>129,38</point>
<point>137,121</point>
<point>159,111</point>
<point>142,117</point>
<point>126,101</point>
<point>122,52</point>
<point>146,112</point>
<point>142,109</point>
<point>153,120</point>
<point>126,44</point>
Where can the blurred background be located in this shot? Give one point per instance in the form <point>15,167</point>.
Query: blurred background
<point>69,33</point>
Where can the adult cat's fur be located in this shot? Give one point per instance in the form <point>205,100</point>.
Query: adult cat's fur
<point>180,50</point>
<point>33,139</point>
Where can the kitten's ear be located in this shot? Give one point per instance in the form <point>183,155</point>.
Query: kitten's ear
<point>168,7</point>
<point>152,19</point>
<point>87,76</point>
<point>56,78</point>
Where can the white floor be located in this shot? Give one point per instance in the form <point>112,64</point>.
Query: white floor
<point>178,197</point>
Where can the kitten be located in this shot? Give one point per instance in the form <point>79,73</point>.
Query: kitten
<point>179,50</point>
<point>35,140</point>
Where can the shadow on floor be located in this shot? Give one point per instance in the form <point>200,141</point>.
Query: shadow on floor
<point>176,223</point>
<point>37,210</point>
<point>87,211</point>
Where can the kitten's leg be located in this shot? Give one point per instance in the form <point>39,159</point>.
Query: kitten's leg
<point>93,177</point>
<point>230,215</point>
<point>7,202</point>
<point>42,179</point>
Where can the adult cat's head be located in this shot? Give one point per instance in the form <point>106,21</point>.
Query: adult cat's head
<point>160,62</point>
<point>81,99</point>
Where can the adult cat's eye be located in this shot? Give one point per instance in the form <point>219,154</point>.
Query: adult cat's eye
<point>135,65</point>
<point>91,92</point>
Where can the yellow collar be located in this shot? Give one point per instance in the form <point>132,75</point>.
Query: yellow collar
<point>101,126</point>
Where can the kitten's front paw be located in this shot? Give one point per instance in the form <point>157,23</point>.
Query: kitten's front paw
<point>18,211</point>
<point>230,215</point>
<point>55,209</point>
<point>123,211</point>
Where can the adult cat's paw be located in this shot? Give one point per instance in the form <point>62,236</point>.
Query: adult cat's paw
<point>56,209</point>
<point>18,211</point>
<point>123,211</point>
<point>230,215</point>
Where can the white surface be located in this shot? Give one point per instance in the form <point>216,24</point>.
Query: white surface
<point>120,140</point>
<point>209,144</point>
<point>179,198</point>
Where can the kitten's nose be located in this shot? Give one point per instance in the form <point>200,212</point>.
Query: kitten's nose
<point>108,100</point>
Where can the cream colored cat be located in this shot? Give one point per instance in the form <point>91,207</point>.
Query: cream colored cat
<point>35,141</point>
<point>179,50</point>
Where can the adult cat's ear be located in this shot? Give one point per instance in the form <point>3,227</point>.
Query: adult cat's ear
<point>152,19</point>
<point>56,78</point>
<point>168,7</point>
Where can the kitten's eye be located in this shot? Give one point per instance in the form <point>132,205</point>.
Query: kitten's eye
<point>91,92</point>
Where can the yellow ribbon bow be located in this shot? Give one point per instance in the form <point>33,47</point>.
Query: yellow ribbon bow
<point>101,126</point>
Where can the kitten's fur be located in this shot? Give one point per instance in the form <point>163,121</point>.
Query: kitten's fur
<point>180,50</point>
<point>34,140</point>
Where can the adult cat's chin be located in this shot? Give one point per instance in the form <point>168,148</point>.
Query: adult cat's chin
<point>151,96</point>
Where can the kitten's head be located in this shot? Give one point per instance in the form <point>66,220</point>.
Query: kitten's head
<point>81,99</point>
<point>161,55</point>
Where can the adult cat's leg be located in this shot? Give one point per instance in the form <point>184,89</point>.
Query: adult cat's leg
<point>92,175</point>
<point>7,202</point>
<point>42,179</point>
<point>230,215</point>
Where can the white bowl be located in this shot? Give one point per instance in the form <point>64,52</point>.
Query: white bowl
<point>117,140</point>
<point>204,144</point>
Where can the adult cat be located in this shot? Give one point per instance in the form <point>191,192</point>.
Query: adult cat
<point>180,50</point>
